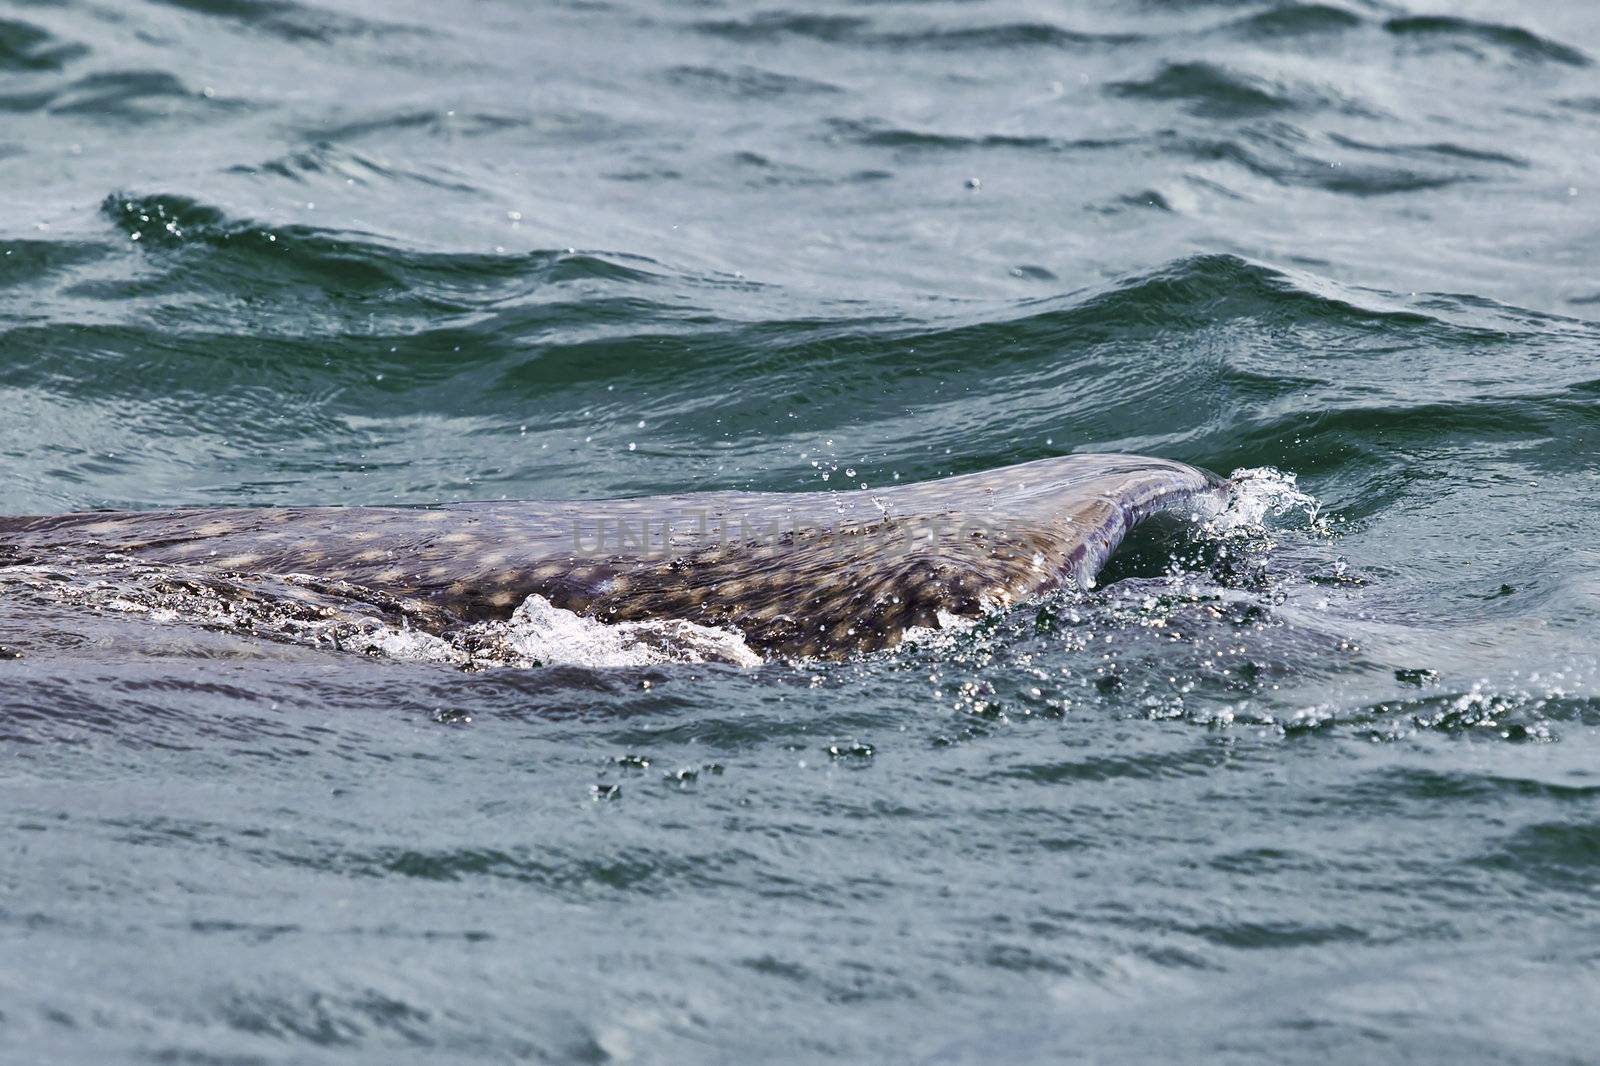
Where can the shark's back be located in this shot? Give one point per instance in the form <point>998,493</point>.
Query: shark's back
<point>796,573</point>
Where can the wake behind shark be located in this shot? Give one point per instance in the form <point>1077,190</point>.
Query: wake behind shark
<point>797,574</point>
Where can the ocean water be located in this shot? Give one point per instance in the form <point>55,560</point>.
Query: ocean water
<point>1315,781</point>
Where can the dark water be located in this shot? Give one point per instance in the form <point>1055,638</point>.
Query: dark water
<point>1324,792</point>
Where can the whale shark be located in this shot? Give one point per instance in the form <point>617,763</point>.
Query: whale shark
<point>799,574</point>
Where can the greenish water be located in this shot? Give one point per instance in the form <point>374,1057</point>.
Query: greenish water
<point>1325,791</point>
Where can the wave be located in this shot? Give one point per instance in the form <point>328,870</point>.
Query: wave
<point>548,359</point>
<point>1487,38</point>
<point>1294,20</point>
<point>1013,35</point>
<point>31,262</point>
<point>1433,151</point>
<point>121,96</point>
<point>878,133</point>
<point>1214,91</point>
<point>1277,150</point>
<point>1285,154</point>
<point>623,312</point>
<point>859,30</point>
<point>776,25</point>
<point>356,261</point>
<point>287,20</point>
<point>449,122</point>
<point>745,82</point>
<point>26,48</point>
<point>354,168</point>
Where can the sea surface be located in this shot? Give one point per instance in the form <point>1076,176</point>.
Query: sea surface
<point>1319,784</point>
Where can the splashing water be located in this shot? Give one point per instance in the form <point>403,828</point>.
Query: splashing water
<point>1261,492</point>
<point>339,616</point>
<point>331,614</point>
<point>540,633</point>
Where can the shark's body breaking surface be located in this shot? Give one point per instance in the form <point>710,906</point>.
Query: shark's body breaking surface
<point>797,574</point>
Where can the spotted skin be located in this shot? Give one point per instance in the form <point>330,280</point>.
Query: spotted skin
<point>799,574</point>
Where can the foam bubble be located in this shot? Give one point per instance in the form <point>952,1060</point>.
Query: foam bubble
<point>540,632</point>
<point>1258,493</point>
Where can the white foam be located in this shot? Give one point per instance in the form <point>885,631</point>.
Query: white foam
<point>1258,493</point>
<point>946,627</point>
<point>540,632</point>
<point>407,646</point>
